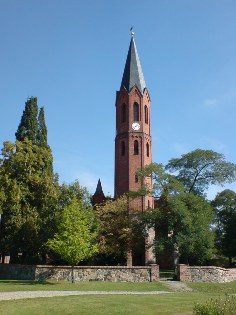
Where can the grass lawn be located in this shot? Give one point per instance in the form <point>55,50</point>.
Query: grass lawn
<point>17,285</point>
<point>172,304</point>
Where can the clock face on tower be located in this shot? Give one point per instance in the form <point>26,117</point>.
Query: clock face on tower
<point>135,126</point>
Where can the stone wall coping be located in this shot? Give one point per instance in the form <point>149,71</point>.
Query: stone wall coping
<point>209,267</point>
<point>84,267</point>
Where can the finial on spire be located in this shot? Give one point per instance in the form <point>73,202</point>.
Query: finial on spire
<point>131,31</point>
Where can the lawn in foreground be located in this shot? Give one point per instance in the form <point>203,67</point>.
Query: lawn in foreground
<point>165,304</point>
<point>24,285</point>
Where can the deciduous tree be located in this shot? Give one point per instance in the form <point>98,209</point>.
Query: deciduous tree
<point>75,239</point>
<point>225,208</point>
<point>115,226</point>
<point>199,169</point>
<point>181,220</point>
<point>28,198</point>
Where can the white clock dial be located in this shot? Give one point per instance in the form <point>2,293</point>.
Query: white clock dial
<point>135,126</point>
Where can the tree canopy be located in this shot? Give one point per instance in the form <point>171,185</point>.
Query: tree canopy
<point>225,208</point>
<point>28,197</point>
<point>199,169</point>
<point>75,239</point>
<point>115,232</point>
<point>28,127</point>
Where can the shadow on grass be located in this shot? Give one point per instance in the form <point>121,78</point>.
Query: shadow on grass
<point>27,282</point>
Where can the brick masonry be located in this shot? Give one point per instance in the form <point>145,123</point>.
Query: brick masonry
<point>187,273</point>
<point>126,165</point>
<point>81,273</point>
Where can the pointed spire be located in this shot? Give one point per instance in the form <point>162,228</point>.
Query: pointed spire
<point>98,196</point>
<point>133,74</point>
<point>99,188</point>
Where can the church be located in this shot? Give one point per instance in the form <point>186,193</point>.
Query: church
<point>133,144</point>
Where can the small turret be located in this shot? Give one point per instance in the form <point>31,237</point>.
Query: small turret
<point>98,196</point>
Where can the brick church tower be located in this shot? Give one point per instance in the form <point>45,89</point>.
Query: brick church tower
<point>133,142</point>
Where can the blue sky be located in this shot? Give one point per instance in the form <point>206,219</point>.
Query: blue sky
<point>71,55</point>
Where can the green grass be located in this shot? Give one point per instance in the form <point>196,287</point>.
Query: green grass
<point>164,304</point>
<point>24,285</point>
<point>219,288</point>
<point>178,303</point>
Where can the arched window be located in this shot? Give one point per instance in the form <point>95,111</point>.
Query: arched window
<point>135,147</point>
<point>123,113</point>
<point>147,149</point>
<point>146,114</point>
<point>136,112</point>
<point>136,178</point>
<point>122,148</point>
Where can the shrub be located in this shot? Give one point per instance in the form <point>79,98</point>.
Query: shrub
<point>226,306</point>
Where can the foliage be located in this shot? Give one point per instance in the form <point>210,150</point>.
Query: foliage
<point>28,127</point>
<point>164,183</point>
<point>181,220</point>
<point>69,191</point>
<point>115,231</point>
<point>225,208</point>
<point>42,130</point>
<point>75,238</point>
<point>201,168</point>
<point>194,239</point>
<point>182,224</point>
<point>28,190</point>
<point>226,306</point>
<point>28,197</point>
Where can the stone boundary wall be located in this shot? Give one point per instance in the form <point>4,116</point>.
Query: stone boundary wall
<point>205,274</point>
<point>81,273</point>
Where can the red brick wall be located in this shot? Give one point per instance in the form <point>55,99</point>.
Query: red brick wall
<point>127,165</point>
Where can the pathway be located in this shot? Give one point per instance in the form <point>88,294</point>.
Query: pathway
<point>36,294</point>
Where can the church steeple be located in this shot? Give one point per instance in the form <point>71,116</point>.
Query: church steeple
<point>133,74</point>
<point>133,143</point>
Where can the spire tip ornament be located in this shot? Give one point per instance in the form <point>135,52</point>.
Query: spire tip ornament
<point>131,31</point>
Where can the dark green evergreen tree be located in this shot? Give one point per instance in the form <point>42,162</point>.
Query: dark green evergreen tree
<point>42,130</point>
<point>28,127</point>
<point>42,141</point>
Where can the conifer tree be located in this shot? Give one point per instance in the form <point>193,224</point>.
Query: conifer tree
<point>28,127</point>
<point>42,141</point>
<point>42,130</point>
<point>28,192</point>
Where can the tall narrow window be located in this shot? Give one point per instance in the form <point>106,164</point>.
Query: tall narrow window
<point>148,204</point>
<point>122,148</point>
<point>146,114</point>
<point>136,178</point>
<point>135,147</point>
<point>123,113</point>
<point>136,112</point>
<point>147,149</point>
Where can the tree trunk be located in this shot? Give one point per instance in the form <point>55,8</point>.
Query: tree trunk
<point>72,274</point>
